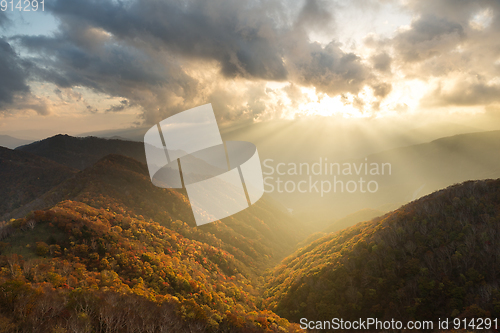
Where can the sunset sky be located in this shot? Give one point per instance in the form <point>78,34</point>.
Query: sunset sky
<point>90,65</point>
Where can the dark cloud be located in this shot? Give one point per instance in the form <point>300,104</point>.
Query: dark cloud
<point>21,103</point>
<point>81,55</point>
<point>247,39</point>
<point>449,35</point>
<point>4,20</point>
<point>381,89</point>
<point>382,62</point>
<point>428,36</point>
<point>330,69</point>
<point>13,75</point>
<point>144,51</point>
<point>455,10</point>
<point>69,64</point>
<point>92,109</point>
<point>316,15</point>
<point>241,36</point>
<point>123,105</point>
<point>165,56</point>
<point>464,94</point>
<point>457,42</point>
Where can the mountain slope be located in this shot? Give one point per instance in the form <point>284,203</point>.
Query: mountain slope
<point>262,232</point>
<point>435,257</point>
<point>343,223</point>
<point>351,219</point>
<point>24,177</point>
<point>80,153</point>
<point>415,171</point>
<point>112,243</point>
<point>88,269</point>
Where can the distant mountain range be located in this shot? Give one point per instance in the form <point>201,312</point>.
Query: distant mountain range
<point>273,137</point>
<point>86,234</point>
<point>416,170</point>
<point>419,167</point>
<point>140,239</point>
<point>80,153</point>
<point>8,141</point>
<point>433,258</point>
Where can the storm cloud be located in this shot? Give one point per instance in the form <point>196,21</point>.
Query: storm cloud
<point>331,70</point>
<point>12,75</point>
<point>152,52</point>
<point>428,36</point>
<point>162,57</point>
<point>241,36</point>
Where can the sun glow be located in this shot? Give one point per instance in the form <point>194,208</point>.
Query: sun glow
<point>404,97</point>
<point>313,103</point>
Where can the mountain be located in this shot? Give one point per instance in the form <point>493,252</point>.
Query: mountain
<point>415,170</point>
<point>10,142</point>
<point>351,219</point>
<point>345,222</point>
<point>411,172</point>
<point>24,177</point>
<point>107,242</point>
<point>433,258</point>
<point>263,231</point>
<point>125,181</point>
<point>131,134</point>
<point>80,153</point>
<point>85,269</point>
<point>443,129</point>
<point>296,141</point>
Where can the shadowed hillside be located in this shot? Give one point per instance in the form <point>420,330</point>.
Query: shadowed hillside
<point>435,257</point>
<point>263,231</point>
<point>24,177</point>
<point>80,153</point>
<point>112,243</point>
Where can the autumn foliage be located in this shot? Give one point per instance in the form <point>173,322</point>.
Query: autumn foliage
<point>116,273</point>
<point>434,258</point>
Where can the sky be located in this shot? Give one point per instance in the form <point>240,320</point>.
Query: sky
<point>93,65</point>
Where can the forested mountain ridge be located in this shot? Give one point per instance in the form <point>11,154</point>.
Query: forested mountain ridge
<point>105,250</point>
<point>128,186</point>
<point>416,170</point>
<point>435,257</point>
<point>113,244</point>
<point>121,184</point>
<point>86,269</point>
<point>80,153</point>
<point>24,177</point>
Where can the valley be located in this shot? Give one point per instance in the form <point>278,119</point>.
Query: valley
<point>89,241</point>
